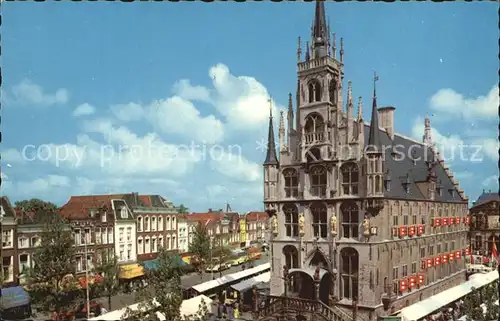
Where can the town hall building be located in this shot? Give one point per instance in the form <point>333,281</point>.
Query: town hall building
<point>361,217</point>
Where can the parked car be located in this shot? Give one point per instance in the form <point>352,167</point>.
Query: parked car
<point>218,267</point>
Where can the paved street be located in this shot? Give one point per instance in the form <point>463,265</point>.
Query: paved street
<point>124,300</point>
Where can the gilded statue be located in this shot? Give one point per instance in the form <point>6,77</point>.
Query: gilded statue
<point>366,226</point>
<point>275,224</point>
<point>302,224</point>
<point>333,224</point>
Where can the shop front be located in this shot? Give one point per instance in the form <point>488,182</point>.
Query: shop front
<point>131,275</point>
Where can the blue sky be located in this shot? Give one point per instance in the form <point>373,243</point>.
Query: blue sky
<point>103,84</point>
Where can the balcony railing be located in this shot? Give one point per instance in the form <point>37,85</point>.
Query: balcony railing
<point>312,138</point>
<point>280,305</point>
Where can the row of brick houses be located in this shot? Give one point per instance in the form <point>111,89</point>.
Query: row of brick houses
<point>130,226</point>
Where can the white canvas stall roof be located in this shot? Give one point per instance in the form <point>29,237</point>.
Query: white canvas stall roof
<point>202,287</point>
<point>191,306</point>
<point>425,307</point>
<point>188,308</point>
<point>247,284</point>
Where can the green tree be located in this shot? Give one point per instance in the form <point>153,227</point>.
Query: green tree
<point>220,252</point>
<point>472,306</point>
<point>490,296</point>
<point>53,260</point>
<point>200,248</point>
<point>182,209</point>
<point>36,205</point>
<point>163,294</point>
<point>109,272</point>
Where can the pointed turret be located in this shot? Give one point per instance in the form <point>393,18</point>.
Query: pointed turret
<point>299,51</point>
<point>349,110</point>
<point>334,46</point>
<point>341,50</point>
<point>271,158</point>
<point>281,132</point>
<point>308,56</point>
<point>427,138</point>
<point>374,137</point>
<point>360,109</point>
<point>320,32</point>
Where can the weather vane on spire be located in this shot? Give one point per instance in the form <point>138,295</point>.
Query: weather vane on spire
<point>375,78</point>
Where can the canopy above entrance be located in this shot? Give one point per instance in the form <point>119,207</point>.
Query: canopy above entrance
<point>131,271</point>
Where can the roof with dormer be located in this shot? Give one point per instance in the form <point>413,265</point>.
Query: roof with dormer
<point>80,207</point>
<point>486,197</point>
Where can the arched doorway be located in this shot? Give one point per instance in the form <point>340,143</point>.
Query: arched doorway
<point>304,285</point>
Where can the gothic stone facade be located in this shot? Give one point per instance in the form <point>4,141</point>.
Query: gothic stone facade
<point>485,223</point>
<point>357,200</point>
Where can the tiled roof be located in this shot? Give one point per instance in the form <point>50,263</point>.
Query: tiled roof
<point>403,168</point>
<point>256,216</point>
<point>145,199</point>
<point>78,207</point>
<point>485,198</point>
<point>7,207</point>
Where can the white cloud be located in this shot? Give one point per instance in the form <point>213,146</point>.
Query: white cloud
<point>490,147</point>
<point>29,93</point>
<point>184,89</point>
<point>176,115</point>
<point>128,112</point>
<point>490,181</point>
<point>43,185</point>
<point>84,110</point>
<point>446,145</point>
<point>455,104</point>
<point>235,166</point>
<point>12,155</point>
<point>241,99</point>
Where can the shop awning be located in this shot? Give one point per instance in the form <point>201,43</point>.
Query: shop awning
<point>14,297</point>
<point>131,271</point>
<point>153,264</point>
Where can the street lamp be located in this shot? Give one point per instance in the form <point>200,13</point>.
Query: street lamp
<point>86,273</point>
<point>211,259</point>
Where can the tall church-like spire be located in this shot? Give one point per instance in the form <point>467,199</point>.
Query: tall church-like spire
<point>320,33</point>
<point>374,137</point>
<point>271,158</point>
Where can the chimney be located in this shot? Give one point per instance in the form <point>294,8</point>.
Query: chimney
<point>386,119</point>
<point>209,210</point>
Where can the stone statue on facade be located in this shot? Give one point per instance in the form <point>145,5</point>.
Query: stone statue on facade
<point>366,226</point>
<point>275,224</point>
<point>333,225</point>
<point>302,224</point>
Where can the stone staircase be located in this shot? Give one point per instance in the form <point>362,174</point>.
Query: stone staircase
<point>283,307</point>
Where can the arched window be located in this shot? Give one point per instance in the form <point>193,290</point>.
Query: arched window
<point>314,128</point>
<point>160,223</point>
<point>320,221</point>
<point>153,224</point>
<point>174,224</point>
<point>333,91</point>
<point>291,220</point>
<point>146,223</point>
<point>349,273</point>
<point>314,91</point>
<point>291,256</point>
<point>378,184</point>
<point>318,181</point>
<point>139,223</point>
<point>168,223</point>
<point>350,179</point>
<point>291,182</point>
<point>350,220</point>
